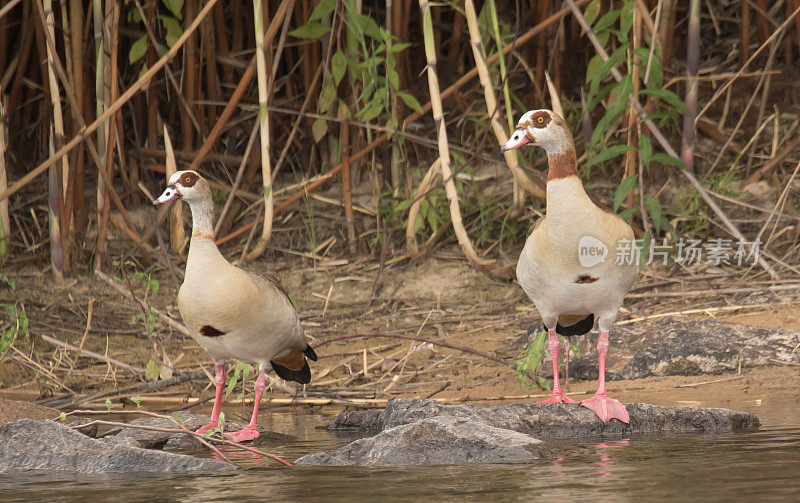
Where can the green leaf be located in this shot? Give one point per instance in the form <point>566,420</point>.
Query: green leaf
<point>369,27</point>
<point>656,78</point>
<point>401,46</point>
<point>338,66</point>
<point>624,188</point>
<point>175,7</point>
<point>626,213</point>
<point>624,90</point>
<point>393,78</point>
<point>371,111</point>
<point>669,97</point>
<point>645,149</point>
<point>608,153</point>
<point>310,30</point>
<point>322,9</point>
<point>410,101</point>
<point>593,67</point>
<point>654,210</point>
<point>616,59</point>
<point>134,16</point>
<point>592,11</point>
<point>667,159</point>
<point>318,129</point>
<point>108,404</point>
<point>607,20</point>
<point>327,97</point>
<point>625,21</point>
<point>173,27</point>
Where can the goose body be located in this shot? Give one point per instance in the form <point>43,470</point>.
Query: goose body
<point>570,286</point>
<point>233,313</point>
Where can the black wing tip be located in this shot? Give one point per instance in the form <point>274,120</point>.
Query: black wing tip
<point>309,352</point>
<point>580,328</point>
<point>302,376</point>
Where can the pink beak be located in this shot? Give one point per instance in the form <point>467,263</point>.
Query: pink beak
<point>518,139</point>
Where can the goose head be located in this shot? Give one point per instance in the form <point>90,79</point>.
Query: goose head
<point>544,128</point>
<point>187,185</point>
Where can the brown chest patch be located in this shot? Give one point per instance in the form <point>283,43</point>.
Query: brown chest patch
<point>585,279</point>
<point>210,331</point>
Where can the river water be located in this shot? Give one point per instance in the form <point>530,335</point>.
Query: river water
<point>759,466</point>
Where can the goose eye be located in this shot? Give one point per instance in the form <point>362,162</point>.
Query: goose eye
<point>187,180</point>
<point>540,119</point>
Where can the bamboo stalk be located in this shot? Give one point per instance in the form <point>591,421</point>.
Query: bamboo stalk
<point>54,196</point>
<point>692,67</point>
<point>77,48</point>
<point>631,156</point>
<point>444,152</point>
<point>5,223</point>
<point>500,131</point>
<point>100,103</point>
<point>744,35</point>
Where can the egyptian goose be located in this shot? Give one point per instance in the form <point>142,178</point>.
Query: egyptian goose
<point>234,313</point>
<point>569,286</point>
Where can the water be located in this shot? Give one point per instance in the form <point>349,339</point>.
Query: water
<point>759,466</point>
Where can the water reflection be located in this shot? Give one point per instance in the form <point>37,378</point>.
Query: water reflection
<point>761,466</point>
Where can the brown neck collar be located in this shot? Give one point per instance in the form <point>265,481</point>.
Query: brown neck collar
<point>561,164</point>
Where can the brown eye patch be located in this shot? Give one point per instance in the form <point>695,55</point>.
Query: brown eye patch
<point>540,120</point>
<point>188,179</point>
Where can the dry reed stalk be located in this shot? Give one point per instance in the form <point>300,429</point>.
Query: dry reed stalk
<point>411,234</point>
<point>77,48</point>
<point>177,235</point>
<point>133,89</point>
<point>528,36</point>
<point>110,85</point>
<point>263,113</point>
<point>190,78</point>
<point>5,223</point>
<point>744,34</point>
<point>347,196</point>
<point>58,177</point>
<point>444,152</point>
<point>665,144</point>
<point>500,131</point>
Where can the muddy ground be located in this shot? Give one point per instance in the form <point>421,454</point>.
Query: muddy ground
<point>441,299</point>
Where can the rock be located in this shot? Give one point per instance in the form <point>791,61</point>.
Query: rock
<point>566,421</point>
<point>29,444</point>
<point>417,431</point>
<point>152,439</point>
<point>683,347</point>
<point>13,410</point>
<point>435,441</point>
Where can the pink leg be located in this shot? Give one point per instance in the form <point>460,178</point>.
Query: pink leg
<point>250,432</point>
<point>219,381</point>
<point>601,404</point>
<point>558,396</point>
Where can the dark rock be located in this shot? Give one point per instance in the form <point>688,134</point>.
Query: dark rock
<point>433,441</point>
<point>358,420</point>
<point>30,444</point>
<point>417,431</point>
<point>678,346</point>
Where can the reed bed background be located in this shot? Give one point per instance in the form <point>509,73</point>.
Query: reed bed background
<point>375,136</point>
